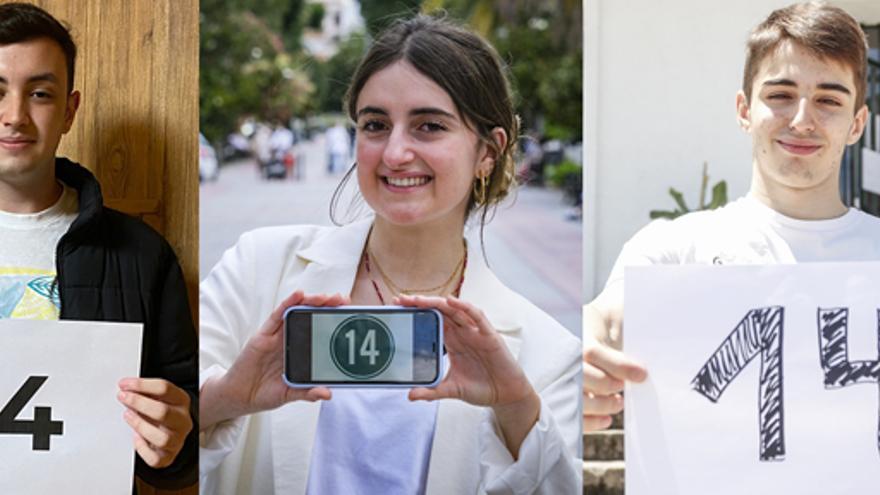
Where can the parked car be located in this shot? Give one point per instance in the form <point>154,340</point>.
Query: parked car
<point>209,169</point>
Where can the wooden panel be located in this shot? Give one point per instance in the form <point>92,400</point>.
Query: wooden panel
<point>136,128</point>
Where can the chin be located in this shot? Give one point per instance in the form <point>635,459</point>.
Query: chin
<point>402,218</point>
<point>797,176</point>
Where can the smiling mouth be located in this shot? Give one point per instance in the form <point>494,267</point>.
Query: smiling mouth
<point>16,144</point>
<point>799,149</point>
<point>407,181</point>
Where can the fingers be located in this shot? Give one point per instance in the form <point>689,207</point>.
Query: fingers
<point>614,363</point>
<point>442,391</point>
<point>461,313</point>
<point>326,300</point>
<point>158,413</point>
<point>153,456</point>
<point>602,405</point>
<point>598,382</point>
<point>474,315</point>
<point>157,388</point>
<point>605,373</point>
<point>157,438</point>
<point>593,423</point>
<point>273,323</point>
<point>298,298</point>
<point>422,393</point>
<point>310,394</point>
<point>171,416</point>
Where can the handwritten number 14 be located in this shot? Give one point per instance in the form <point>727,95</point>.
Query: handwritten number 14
<point>760,333</point>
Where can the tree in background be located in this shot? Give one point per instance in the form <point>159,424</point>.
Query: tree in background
<point>379,14</point>
<point>251,63</point>
<point>541,40</point>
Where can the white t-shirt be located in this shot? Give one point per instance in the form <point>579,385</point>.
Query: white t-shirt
<point>28,244</point>
<point>747,232</point>
<point>372,441</point>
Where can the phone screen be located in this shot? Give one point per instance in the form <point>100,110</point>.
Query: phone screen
<point>391,346</point>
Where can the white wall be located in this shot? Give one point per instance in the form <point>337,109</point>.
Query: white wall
<point>660,81</point>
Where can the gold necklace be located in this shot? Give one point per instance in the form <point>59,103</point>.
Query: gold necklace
<point>397,289</point>
<point>403,290</point>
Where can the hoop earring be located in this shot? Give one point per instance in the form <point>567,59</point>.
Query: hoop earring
<point>481,190</point>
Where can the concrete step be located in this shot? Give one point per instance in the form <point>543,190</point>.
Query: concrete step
<point>604,445</point>
<point>603,477</point>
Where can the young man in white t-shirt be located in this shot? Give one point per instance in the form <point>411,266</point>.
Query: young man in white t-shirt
<point>802,102</point>
<point>63,255</point>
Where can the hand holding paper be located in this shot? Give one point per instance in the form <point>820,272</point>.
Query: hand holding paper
<point>605,372</point>
<point>605,368</point>
<point>158,412</point>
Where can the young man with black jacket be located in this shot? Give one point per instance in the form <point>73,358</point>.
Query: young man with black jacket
<point>81,260</point>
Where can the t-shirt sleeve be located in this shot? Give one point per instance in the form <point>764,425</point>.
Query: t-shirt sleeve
<point>653,244</point>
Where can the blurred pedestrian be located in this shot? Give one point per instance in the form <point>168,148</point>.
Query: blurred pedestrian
<point>338,151</point>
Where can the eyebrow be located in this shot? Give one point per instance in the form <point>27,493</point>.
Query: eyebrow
<point>830,86</point>
<point>415,111</point>
<point>45,77</point>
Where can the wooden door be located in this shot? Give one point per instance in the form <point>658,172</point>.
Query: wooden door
<point>137,125</point>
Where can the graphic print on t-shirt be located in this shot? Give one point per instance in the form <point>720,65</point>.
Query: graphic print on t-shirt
<point>28,293</point>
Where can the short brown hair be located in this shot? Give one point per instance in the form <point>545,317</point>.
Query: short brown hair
<point>20,22</point>
<point>827,32</point>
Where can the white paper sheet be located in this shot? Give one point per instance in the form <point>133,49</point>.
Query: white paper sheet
<point>72,368</point>
<point>678,442</point>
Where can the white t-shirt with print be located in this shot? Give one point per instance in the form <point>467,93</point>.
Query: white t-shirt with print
<point>28,244</point>
<point>747,232</point>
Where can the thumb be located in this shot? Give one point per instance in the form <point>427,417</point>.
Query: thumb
<point>422,393</point>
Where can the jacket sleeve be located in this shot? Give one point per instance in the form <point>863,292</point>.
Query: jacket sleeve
<point>225,299</point>
<point>170,352</point>
<point>549,458</point>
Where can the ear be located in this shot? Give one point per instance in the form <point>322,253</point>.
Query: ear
<point>858,125</point>
<point>743,115</point>
<point>489,156</point>
<point>70,111</point>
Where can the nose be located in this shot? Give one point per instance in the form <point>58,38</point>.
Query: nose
<point>397,149</point>
<point>803,121</point>
<point>13,110</point>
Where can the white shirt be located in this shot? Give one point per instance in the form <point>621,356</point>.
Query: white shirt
<point>372,441</point>
<point>747,231</point>
<point>271,452</point>
<point>28,242</point>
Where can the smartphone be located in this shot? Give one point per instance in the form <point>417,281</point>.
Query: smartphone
<point>362,346</point>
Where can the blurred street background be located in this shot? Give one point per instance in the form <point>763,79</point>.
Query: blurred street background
<point>275,142</point>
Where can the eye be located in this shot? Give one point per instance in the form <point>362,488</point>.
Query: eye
<point>432,127</point>
<point>779,96</point>
<point>41,94</point>
<point>830,101</point>
<point>372,126</point>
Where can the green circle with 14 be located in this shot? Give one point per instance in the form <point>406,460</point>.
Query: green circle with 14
<point>362,346</point>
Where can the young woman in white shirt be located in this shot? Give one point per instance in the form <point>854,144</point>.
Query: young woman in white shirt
<point>436,133</point>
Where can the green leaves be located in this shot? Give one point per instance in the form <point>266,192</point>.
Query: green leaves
<point>719,199</point>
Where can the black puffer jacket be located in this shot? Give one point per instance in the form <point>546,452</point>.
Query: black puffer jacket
<point>112,267</point>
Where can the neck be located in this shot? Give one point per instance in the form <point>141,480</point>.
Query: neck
<point>417,256</point>
<point>820,202</point>
<point>29,196</point>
